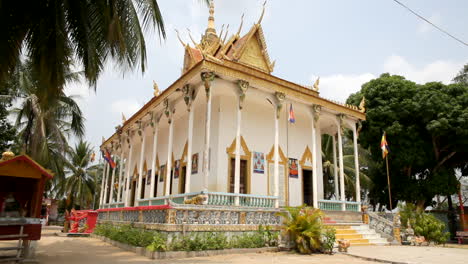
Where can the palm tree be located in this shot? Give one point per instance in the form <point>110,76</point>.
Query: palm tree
<point>348,167</point>
<point>44,122</point>
<point>54,33</point>
<point>82,178</point>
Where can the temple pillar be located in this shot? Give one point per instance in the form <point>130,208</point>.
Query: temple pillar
<point>154,156</point>
<point>340,153</point>
<point>106,183</point>
<point>121,163</point>
<point>189,97</point>
<point>315,116</point>
<point>243,86</point>
<point>168,181</point>
<point>207,78</point>
<point>102,185</point>
<point>111,186</point>
<point>335,170</point>
<point>129,164</point>
<point>141,132</point>
<point>356,166</point>
<point>279,105</point>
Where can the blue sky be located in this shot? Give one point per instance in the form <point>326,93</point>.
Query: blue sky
<point>346,43</point>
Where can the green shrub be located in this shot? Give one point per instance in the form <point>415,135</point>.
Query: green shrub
<point>126,234</point>
<point>423,224</point>
<point>159,243</point>
<point>246,240</point>
<point>270,237</point>
<point>198,242</point>
<point>328,240</point>
<point>431,228</point>
<point>304,225</point>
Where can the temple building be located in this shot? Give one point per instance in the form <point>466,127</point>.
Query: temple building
<point>230,130</point>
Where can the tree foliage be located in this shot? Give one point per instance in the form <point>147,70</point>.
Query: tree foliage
<point>427,132</point>
<point>54,33</point>
<point>7,131</point>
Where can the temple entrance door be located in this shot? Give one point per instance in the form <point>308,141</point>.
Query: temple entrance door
<point>143,187</point>
<point>243,186</point>
<point>307,187</point>
<point>132,193</point>
<point>183,172</point>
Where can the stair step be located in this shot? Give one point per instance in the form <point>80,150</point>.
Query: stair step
<point>349,236</point>
<point>345,231</point>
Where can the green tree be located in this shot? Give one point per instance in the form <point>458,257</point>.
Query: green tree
<point>7,131</point>
<point>427,131</point>
<point>462,76</point>
<point>52,34</point>
<point>348,167</point>
<point>80,185</point>
<point>44,122</point>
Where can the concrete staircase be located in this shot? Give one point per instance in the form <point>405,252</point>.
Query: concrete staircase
<point>358,234</point>
<point>349,226</point>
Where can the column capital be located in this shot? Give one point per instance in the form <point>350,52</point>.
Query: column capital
<point>189,95</point>
<point>207,78</point>
<point>168,111</point>
<point>243,87</point>
<point>279,102</point>
<point>341,118</point>
<point>316,109</point>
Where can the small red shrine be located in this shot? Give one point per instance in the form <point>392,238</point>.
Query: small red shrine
<point>22,182</point>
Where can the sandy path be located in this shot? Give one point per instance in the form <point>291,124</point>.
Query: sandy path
<point>67,250</point>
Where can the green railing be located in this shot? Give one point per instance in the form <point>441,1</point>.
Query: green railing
<point>337,205</point>
<point>215,198</point>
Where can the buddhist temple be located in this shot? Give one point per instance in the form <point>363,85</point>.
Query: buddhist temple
<point>231,132</point>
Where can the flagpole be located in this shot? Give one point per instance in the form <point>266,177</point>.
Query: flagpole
<point>388,180</point>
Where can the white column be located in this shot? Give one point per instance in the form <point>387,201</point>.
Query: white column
<point>169,157</point>
<point>276,160</point>
<point>206,151</point>
<point>111,186</point>
<point>188,172</point>
<point>106,183</point>
<point>356,166</point>
<point>102,184</point>
<point>237,160</point>
<point>340,153</point>
<point>314,164</point>
<point>140,166</point>
<point>128,165</point>
<point>121,163</point>
<point>153,159</point>
<point>335,169</point>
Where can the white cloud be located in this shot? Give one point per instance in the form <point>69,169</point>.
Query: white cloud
<point>127,107</point>
<point>440,70</point>
<point>425,27</point>
<point>339,86</point>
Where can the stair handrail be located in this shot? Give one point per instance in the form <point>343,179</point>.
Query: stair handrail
<point>386,228</point>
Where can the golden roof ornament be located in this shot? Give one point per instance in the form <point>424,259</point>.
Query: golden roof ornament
<point>316,84</point>
<point>156,89</point>
<point>124,119</point>
<point>263,13</point>
<point>362,105</point>
<point>7,155</point>
<point>180,40</point>
<point>240,27</point>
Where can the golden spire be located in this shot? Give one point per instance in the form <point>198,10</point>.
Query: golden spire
<point>211,26</point>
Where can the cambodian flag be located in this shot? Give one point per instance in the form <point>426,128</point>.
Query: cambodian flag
<point>108,158</point>
<point>291,118</point>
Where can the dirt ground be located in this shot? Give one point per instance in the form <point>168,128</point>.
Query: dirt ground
<point>53,249</point>
<point>59,250</point>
